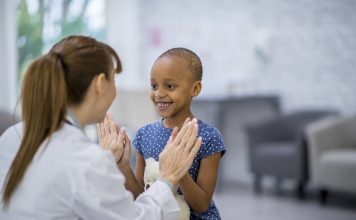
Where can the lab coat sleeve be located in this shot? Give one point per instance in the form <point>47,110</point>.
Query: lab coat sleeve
<point>100,194</point>
<point>10,141</point>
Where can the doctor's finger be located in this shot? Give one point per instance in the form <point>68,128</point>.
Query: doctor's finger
<point>189,132</point>
<point>112,126</point>
<point>106,126</point>
<point>101,131</point>
<point>117,127</point>
<point>186,131</point>
<point>121,137</point>
<point>174,133</point>
<point>182,133</point>
<point>193,152</point>
<point>186,121</point>
<point>98,130</point>
<point>190,139</point>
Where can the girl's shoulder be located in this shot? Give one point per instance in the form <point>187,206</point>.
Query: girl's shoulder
<point>213,141</point>
<point>150,127</point>
<point>153,131</point>
<point>207,130</point>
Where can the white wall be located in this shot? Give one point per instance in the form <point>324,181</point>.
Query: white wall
<point>132,107</point>
<point>8,55</point>
<point>305,51</point>
<point>123,33</point>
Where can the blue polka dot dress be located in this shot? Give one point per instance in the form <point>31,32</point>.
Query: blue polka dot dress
<point>151,139</point>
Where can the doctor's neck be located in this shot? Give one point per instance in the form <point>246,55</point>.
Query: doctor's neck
<point>81,115</point>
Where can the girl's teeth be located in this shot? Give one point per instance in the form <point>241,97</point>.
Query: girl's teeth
<point>162,104</point>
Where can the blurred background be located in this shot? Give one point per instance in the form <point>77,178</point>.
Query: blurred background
<point>279,82</point>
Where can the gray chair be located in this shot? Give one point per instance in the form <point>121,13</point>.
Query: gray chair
<point>332,154</point>
<point>6,120</point>
<point>229,115</point>
<point>277,148</point>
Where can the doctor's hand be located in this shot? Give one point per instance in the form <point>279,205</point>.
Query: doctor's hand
<point>178,155</point>
<point>112,137</point>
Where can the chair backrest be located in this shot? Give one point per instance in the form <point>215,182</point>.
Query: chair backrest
<point>301,119</point>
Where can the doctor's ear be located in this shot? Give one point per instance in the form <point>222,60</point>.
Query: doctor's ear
<point>197,88</point>
<point>99,82</point>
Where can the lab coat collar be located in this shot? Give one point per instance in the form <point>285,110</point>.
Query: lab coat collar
<point>73,119</point>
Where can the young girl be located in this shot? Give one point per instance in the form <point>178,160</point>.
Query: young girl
<point>175,79</point>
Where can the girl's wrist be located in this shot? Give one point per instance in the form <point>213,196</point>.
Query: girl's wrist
<point>124,168</point>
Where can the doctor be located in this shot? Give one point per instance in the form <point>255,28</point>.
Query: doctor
<point>49,169</point>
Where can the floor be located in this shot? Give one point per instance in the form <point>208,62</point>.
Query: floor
<point>237,201</point>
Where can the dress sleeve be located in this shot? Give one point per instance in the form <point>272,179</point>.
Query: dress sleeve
<point>137,141</point>
<point>214,143</point>
<point>100,194</point>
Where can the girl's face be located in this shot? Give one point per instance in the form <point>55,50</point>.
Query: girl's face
<point>172,87</point>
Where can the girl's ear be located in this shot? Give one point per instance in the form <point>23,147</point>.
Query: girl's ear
<point>99,82</point>
<point>197,88</point>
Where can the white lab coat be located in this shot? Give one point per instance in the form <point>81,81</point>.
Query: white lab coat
<point>73,178</point>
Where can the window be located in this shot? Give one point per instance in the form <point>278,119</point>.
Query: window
<point>41,23</point>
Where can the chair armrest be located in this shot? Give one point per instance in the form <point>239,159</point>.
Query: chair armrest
<point>329,134</point>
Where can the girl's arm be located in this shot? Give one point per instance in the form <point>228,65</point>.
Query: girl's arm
<point>131,182</point>
<point>198,194</point>
<point>140,169</point>
<point>123,164</point>
<point>114,138</point>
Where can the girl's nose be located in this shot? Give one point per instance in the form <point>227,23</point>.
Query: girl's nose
<point>159,93</point>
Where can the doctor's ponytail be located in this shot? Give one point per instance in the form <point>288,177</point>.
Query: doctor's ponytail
<point>44,107</point>
<point>53,81</point>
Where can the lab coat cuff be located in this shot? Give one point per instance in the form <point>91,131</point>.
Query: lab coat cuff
<point>164,196</point>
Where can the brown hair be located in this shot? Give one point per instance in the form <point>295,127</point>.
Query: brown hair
<point>193,59</point>
<point>58,78</point>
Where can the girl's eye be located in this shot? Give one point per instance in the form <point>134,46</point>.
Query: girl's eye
<point>170,86</point>
<point>153,87</point>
